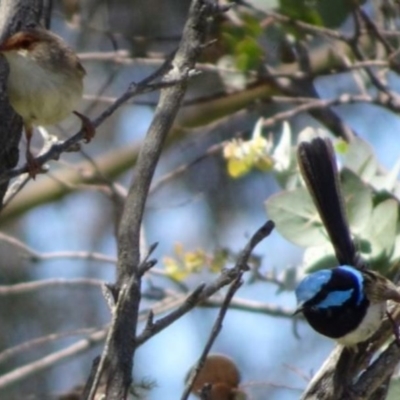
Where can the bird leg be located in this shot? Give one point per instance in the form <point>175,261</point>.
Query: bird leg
<point>87,126</point>
<point>33,165</point>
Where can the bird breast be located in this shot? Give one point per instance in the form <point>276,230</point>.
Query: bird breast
<point>39,96</point>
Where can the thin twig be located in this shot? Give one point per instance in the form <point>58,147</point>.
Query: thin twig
<point>37,366</point>
<point>203,292</point>
<point>26,287</point>
<point>235,285</point>
<point>30,344</point>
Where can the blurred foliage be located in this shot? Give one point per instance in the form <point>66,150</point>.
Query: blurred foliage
<point>244,155</point>
<point>394,389</point>
<point>186,263</point>
<point>318,12</point>
<point>303,10</point>
<point>242,42</point>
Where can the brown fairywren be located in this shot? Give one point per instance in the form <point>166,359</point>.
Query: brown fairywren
<point>45,82</point>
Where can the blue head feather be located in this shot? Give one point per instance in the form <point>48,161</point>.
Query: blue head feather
<point>336,298</point>
<point>312,284</point>
<point>359,279</point>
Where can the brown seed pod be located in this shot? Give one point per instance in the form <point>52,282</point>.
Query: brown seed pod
<point>221,375</point>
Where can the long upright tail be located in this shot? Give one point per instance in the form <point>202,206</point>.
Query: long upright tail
<point>317,164</point>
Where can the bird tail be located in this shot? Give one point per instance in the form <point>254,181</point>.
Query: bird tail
<point>318,167</point>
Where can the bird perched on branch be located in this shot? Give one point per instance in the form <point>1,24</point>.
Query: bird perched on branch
<point>45,82</point>
<point>348,302</point>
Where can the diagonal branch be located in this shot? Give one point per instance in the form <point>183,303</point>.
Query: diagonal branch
<point>203,292</point>
<point>122,343</point>
<point>213,335</point>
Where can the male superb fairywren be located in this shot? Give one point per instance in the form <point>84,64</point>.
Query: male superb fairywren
<point>346,303</point>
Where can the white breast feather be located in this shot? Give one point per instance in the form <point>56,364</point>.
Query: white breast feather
<point>44,103</point>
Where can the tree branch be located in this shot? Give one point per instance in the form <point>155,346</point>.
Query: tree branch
<point>122,342</point>
<point>14,14</point>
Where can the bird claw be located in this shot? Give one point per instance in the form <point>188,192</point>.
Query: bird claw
<point>87,126</point>
<point>33,166</point>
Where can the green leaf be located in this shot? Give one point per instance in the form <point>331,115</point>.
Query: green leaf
<point>341,147</point>
<point>361,159</point>
<point>358,200</point>
<point>396,249</point>
<point>381,230</point>
<point>387,181</point>
<point>319,257</point>
<point>252,25</point>
<point>394,389</point>
<point>248,54</point>
<point>296,217</point>
<point>304,10</point>
<point>334,13</point>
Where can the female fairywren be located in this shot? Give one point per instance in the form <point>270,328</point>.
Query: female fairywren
<point>44,84</point>
<point>346,303</point>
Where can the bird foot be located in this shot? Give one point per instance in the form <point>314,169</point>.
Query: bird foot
<point>87,126</point>
<point>33,165</point>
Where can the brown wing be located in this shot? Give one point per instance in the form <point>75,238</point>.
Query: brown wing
<point>378,288</point>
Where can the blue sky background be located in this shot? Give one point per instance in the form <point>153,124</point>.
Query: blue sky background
<point>265,348</point>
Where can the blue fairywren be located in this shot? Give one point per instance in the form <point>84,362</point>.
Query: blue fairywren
<point>346,303</point>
